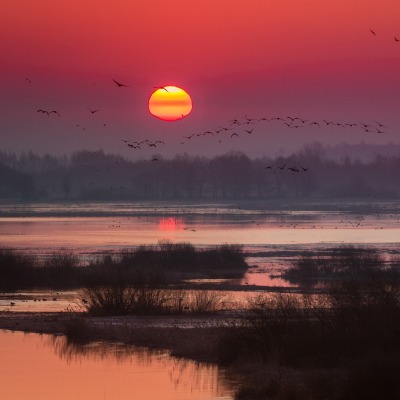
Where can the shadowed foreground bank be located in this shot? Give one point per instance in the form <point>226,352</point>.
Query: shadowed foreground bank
<point>342,345</point>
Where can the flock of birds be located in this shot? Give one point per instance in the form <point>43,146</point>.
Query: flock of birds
<point>240,126</point>
<point>247,126</point>
<point>91,110</point>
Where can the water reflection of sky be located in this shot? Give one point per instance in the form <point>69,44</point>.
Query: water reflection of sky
<point>271,237</point>
<point>43,367</point>
<point>95,233</point>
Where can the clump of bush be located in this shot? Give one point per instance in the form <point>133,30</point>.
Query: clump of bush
<point>184,257</point>
<point>145,265</point>
<point>144,300</point>
<point>15,268</point>
<point>341,263</point>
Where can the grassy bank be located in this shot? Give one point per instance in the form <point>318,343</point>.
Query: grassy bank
<point>146,265</point>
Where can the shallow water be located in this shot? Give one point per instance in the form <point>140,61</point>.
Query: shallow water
<point>272,236</point>
<point>45,367</point>
<point>104,226</point>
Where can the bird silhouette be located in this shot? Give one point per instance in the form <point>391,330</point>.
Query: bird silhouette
<point>43,111</point>
<point>234,134</point>
<point>120,84</point>
<point>161,87</point>
<point>373,32</point>
<point>93,111</point>
<point>396,39</point>
<point>283,167</point>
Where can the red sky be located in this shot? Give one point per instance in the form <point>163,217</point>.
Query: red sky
<point>313,59</point>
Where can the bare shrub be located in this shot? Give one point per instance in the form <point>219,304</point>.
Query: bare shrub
<point>120,300</point>
<point>206,301</point>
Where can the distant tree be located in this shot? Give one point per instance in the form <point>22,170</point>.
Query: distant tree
<point>66,187</point>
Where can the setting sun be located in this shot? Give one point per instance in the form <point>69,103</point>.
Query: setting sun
<point>170,103</point>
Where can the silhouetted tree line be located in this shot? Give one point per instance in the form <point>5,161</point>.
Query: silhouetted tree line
<point>94,175</point>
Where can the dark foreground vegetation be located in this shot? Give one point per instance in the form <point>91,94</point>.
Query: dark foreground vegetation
<point>341,345</point>
<point>142,267</point>
<point>342,263</point>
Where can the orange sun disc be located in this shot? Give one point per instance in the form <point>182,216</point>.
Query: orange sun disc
<point>170,103</point>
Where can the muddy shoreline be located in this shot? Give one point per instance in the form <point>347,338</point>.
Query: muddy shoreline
<point>55,323</point>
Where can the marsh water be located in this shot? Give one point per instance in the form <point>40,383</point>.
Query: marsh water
<point>264,230</point>
<point>46,367</point>
<point>272,235</point>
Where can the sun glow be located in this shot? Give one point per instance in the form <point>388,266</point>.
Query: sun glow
<point>170,103</point>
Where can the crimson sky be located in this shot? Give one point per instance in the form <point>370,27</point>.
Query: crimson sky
<point>316,59</point>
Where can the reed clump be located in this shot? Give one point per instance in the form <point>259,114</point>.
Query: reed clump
<point>341,263</point>
<point>113,300</point>
<point>163,263</point>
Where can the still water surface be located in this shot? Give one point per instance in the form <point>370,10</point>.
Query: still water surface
<point>91,227</point>
<point>271,237</point>
<point>45,367</point>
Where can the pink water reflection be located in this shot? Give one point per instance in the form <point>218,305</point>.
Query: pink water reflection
<point>40,367</point>
<point>94,233</point>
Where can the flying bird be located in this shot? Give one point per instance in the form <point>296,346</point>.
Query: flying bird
<point>234,134</point>
<point>93,111</point>
<point>120,84</point>
<point>373,32</point>
<point>162,88</point>
<point>43,111</point>
<point>396,39</point>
